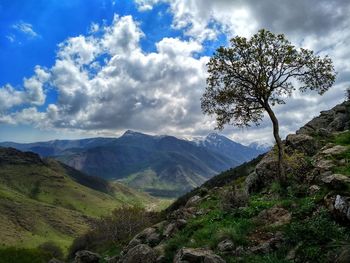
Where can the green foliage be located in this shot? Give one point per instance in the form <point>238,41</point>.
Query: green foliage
<point>115,230</point>
<point>22,255</point>
<point>343,138</point>
<point>315,233</point>
<point>53,249</point>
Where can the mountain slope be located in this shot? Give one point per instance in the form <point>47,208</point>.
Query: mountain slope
<point>247,215</point>
<point>176,166</point>
<point>44,200</point>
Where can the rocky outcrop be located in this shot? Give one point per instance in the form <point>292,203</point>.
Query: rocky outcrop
<point>334,120</point>
<point>226,246</point>
<point>85,256</point>
<point>197,255</point>
<point>302,143</point>
<point>139,254</point>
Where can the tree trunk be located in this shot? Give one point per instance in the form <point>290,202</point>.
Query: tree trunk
<point>281,172</point>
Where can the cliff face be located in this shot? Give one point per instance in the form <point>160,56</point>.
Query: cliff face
<point>246,215</point>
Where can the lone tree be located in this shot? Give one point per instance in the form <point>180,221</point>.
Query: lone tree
<point>252,75</point>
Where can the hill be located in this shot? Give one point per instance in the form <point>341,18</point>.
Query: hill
<point>43,199</point>
<point>160,165</point>
<point>246,215</point>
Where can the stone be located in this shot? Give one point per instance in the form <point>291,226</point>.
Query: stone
<point>252,183</point>
<point>337,149</point>
<point>314,189</point>
<point>342,206</point>
<point>113,259</point>
<point>274,216</point>
<point>197,255</point>
<point>269,245</point>
<point>302,143</point>
<point>170,229</point>
<point>193,201</point>
<point>267,169</point>
<point>148,236</point>
<point>336,181</point>
<point>344,256</point>
<point>140,254</point>
<point>226,245</point>
<point>324,165</point>
<point>85,256</point>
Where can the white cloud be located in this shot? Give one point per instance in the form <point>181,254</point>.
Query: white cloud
<point>25,28</point>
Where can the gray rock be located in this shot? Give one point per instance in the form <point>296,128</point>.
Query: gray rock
<point>193,201</point>
<point>252,183</point>
<point>85,256</point>
<point>197,255</point>
<point>267,169</point>
<point>335,150</point>
<point>342,206</point>
<point>302,143</point>
<point>226,245</point>
<point>336,181</point>
<point>314,189</point>
<point>139,254</point>
<point>269,245</point>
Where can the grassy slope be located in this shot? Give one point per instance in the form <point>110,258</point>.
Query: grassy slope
<point>312,228</point>
<point>41,202</point>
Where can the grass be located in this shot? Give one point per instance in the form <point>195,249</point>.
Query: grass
<point>15,255</point>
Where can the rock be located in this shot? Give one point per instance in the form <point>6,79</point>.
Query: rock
<point>160,251</point>
<point>113,259</point>
<point>324,165</point>
<point>324,133</point>
<point>148,236</point>
<point>169,230</point>
<point>193,201</point>
<point>85,256</point>
<point>252,183</point>
<point>342,206</point>
<point>226,245</point>
<point>292,253</point>
<point>302,142</point>
<point>336,119</point>
<point>314,189</point>
<point>275,216</point>
<point>269,245</point>
<point>338,149</point>
<point>267,169</point>
<point>336,181</point>
<point>139,254</point>
<point>197,255</point>
<point>133,243</point>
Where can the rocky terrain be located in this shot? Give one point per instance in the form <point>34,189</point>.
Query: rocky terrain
<point>246,215</point>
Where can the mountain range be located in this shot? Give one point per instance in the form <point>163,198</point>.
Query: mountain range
<point>160,165</point>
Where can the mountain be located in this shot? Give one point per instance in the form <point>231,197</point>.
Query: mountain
<point>263,147</point>
<point>159,165</point>
<point>43,199</point>
<point>247,214</point>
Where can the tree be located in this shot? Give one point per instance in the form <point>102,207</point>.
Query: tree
<point>252,75</point>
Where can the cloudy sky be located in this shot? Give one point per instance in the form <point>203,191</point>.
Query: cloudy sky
<point>76,68</point>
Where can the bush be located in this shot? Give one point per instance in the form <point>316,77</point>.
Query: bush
<point>51,248</point>
<point>23,255</point>
<point>234,198</point>
<point>116,229</point>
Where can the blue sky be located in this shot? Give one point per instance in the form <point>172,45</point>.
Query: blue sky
<point>77,68</point>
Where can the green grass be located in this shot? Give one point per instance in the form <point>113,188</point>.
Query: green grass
<point>16,255</point>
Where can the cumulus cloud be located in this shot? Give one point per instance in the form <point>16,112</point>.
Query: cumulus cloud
<point>106,83</point>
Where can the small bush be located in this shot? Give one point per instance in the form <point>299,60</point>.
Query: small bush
<point>23,255</point>
<point>234,198</point>
<point>51,248</point>
<point>116,229</point>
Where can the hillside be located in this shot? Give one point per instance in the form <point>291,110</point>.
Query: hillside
<point>43,200</point>
<point>246,215</point>
<point>160,165</point>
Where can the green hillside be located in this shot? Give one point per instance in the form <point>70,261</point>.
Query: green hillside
<point>42,200</point>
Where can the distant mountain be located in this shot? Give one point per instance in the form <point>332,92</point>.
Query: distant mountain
<point>160,165</point>
<point>264,147</point>
<point>42,199</point>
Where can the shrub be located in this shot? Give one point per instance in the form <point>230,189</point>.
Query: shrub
<point>51,248</point>
<point>116,229</point>
<point>234,198</point>
<point>23,255</point>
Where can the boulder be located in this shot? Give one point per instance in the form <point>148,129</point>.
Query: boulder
<point>267,169</point>
<point>140,254</point>
<point>335,181</point>
<point>226,245</point>
<point>335,150</point>
<point>269,245</point>
<point>302,143</point>
<point>148,236</point>
<point>252,183</point>
<point>193,201</point>
<point>314,189</point>
<point>197,255</point>
<point>274,216</point>
<point>85,256</point>
<point>334,120</point>
<point>342,206</point>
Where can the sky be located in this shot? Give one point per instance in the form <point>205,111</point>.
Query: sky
<point>73,69</point>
